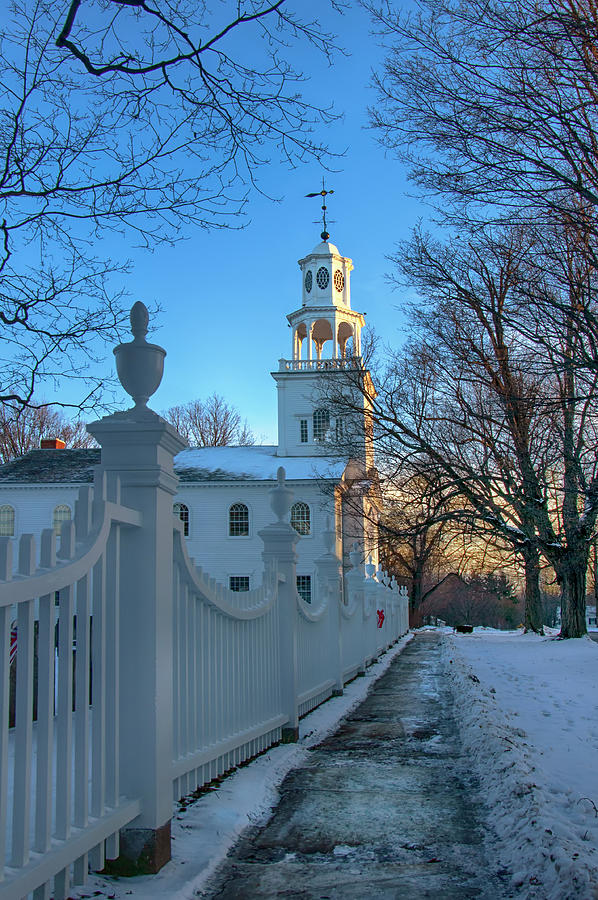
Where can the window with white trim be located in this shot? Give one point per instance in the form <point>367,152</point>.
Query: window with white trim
<point>62,513</point>
<point>303,431</point>
<point>301,518</point>
<point>238,520</point>
<point>304,587</point>
<point>321,422</point>
<point>238,582</point>
<point>7,521</point>
<point>182,512</point>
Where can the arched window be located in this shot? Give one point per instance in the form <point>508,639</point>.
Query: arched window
<point>321,418</point>
<point>182,511</point>
<point>7,521</point>
<point>62,514</point>
<point>238,520</point>
<point>300,518</point>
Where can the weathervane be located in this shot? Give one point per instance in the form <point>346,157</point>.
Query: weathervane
<point>323,194</point>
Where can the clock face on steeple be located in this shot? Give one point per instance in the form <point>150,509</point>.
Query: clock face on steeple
<point>308,281</point>
<point>322,277</point>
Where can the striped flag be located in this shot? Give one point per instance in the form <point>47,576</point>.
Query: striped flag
<point>13,642</point>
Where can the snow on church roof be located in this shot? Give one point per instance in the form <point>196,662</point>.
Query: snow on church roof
<point>258,463</point>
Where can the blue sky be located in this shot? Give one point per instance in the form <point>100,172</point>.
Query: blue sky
<point>225,294</point>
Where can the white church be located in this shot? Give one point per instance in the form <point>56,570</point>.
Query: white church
<point>222,497</point>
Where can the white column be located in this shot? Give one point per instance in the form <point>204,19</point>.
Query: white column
<point>141,454</point>
<point>280,540</point>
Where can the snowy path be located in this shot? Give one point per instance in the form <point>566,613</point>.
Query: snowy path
<point>377,810</point>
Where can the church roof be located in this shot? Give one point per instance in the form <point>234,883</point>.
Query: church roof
<point>325,247</point>
<point>51,467</point>
<point>258,463</point>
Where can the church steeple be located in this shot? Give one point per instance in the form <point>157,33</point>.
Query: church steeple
<point>325,327</point>
<point>325,339</point>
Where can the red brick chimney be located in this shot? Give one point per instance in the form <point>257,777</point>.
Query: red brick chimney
<point>53,444</point>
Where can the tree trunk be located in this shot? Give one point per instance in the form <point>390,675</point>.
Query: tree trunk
<point>571,575</point>
<point>533,598</point>
<point>415,598</point>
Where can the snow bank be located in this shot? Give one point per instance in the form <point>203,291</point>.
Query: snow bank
<point>203,833</point>
<point>530,731</point>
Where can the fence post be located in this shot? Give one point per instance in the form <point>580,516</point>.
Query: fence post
<point>328,567</point>
<point>138,448</point>
<point>280,540</point>
<point>354,588</point>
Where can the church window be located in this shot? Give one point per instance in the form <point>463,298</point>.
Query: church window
<point>340,429</point>
<point>62,513</point>
<point>7,521</point>
<point>322,277</point>
<point>238,582</point>
<point>300,518</point>
<point>238,520</point>
<point>182,511</point>
<point>339,281</point>
<point>303,430</point>
<point>304,587</point>
<point>309,280</point>
<point>321,419</point>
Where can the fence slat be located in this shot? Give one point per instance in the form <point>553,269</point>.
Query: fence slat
<point>98,687</point>
<point>23,734</point>
<point>82,665</point>
<point>112,679</point>
<point>45,702</point>
<point>5,616</point>
<point>64,717</point>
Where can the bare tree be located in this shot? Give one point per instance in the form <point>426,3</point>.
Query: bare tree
<point>509,413</point>
<point>210,423</point>
<point>493,104</point>
<point>23,430</point>
<point>415,535</point>
<point>132,117</point>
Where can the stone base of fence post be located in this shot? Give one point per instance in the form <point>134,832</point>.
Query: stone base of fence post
<point>142,851</point>
<point>289,735</point>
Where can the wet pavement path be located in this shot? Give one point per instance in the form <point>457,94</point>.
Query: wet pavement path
<point>379,810</point>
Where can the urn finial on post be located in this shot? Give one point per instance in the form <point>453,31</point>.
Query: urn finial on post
<point>281,496</point>
<point>139,365</point>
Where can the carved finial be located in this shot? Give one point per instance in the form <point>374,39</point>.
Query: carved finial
<point>139,318</point>
<point>281,496</point>
<point>140,365</point>
<point>355,556</point>
<point>370,568</point>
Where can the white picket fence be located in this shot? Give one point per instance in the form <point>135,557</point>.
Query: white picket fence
<point>60,802</point>
<point>162,679</point>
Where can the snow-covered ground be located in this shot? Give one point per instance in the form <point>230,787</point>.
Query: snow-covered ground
<point>203,833</point>
<point>528,717</point>
<point>528,710</point>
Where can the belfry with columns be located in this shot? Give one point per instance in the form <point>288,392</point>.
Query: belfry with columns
<point>325,314</point>
<point>326,338</point>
